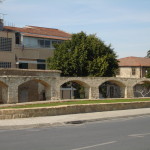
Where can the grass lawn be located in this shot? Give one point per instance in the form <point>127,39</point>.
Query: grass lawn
<point>71,102</point>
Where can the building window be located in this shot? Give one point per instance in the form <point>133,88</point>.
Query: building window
<point>133,71</point>
<point>23,65</point>
<point>5,44</point>
<point>41,66</point>
<point>18,38</point>
<point>44,43</point>
<point>5,64</point>
<point>47,43</point>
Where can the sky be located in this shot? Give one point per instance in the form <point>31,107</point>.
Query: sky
<point>125,24</point>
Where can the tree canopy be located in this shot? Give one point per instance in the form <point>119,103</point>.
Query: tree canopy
<point>148,73</point>
<point>84,55</point>
<point>148,54</point>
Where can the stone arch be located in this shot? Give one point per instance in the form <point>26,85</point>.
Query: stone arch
<point>33,90</point>
<point>141,80</point>
<point>141,88</point>
<point>3,92</point>
<point>72,90</point>
<point>112,89</point>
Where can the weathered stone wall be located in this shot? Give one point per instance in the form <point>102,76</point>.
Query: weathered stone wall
<point>126,72</point>
<point>12,79</point>
<point>69,109</point>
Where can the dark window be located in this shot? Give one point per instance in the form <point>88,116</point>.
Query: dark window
<point>41,43</point>
<point>5,44</point>
<point>47,43</point>
<point>18,38</point>
<point>5,64</point>
<point>23,65</point>
<point>133,71</point>
<point>41,66</point>
<point>44,43</point>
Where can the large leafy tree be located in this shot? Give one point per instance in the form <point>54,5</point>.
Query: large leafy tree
<point>148,54</point>
<point>84,55</point>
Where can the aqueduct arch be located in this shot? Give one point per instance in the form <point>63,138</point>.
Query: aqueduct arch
<point>112,89</point>
<point>142,88</point>
<point>74,89</point>
<point>33,90</point>
<point>15,82</point>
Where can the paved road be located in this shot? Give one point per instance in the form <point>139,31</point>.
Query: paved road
<point>118,134</point>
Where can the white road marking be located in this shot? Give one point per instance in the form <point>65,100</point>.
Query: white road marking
<point>139,135</point>
<point>87,147</point>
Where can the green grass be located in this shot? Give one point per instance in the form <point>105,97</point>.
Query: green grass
<point>73,102</point>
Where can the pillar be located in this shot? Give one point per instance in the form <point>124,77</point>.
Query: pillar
<point>12,94</point>
<point>86,90</point>
<point>129,93</point>
<point>48,93</point>
<point>55,93</point>
<point>94,93</point>
<point>122,92</point>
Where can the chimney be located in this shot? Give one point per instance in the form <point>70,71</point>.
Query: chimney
<point>1,24</point>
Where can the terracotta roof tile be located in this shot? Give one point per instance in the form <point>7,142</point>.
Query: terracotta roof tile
<point>40,32</point>
<point>45,36</point>
<point>134,61</point>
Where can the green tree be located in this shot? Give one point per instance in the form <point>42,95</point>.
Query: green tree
<point>84,55</point>
<point>148,54</point>
<point>148,73</point>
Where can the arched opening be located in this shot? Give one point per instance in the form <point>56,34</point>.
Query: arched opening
<point>142,89</point>
<point>3,93</point>
<point>74,90</point>
<point>33,90</point>
<point>112,89</point>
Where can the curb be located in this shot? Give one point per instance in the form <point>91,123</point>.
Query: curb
<point>70,109</point>
<point>74,122</point>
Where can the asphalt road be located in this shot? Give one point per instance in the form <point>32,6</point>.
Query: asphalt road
<point>117,134</point>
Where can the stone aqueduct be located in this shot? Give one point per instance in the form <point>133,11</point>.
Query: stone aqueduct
<point>11,81</point>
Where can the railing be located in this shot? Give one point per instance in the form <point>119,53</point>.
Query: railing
<point>32,47</point>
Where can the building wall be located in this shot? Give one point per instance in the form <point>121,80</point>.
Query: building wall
<point>19,51</point>
<point>126,72</point>
<point>8,56</point>
<point>33,53</point>
<point>13,81</point>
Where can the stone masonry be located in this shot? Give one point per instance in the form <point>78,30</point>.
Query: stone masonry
<point>14,81</point>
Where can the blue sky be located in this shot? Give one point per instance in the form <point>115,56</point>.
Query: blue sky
<point>125,24</point>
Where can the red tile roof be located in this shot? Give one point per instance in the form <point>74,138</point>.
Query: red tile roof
<point>40,32</point>
<point>45,36</point>
<point>134,62</point>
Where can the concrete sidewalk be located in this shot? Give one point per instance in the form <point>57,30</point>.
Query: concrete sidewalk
<point>70,119</point>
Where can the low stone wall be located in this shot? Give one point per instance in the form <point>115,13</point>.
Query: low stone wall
<point>69,109</point>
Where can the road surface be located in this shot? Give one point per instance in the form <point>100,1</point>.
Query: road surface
<point>131,133</point>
